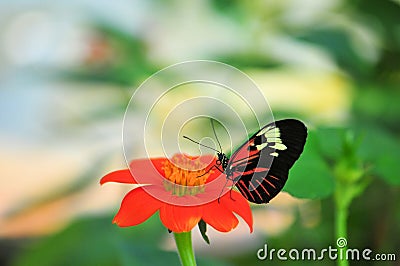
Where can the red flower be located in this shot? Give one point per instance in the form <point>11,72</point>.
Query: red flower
<point>182,191</point>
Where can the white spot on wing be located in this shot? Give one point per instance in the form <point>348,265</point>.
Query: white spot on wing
<point>277,140</point>
<point>274,154</point>
<point>279,146</point>
<point>264,131</point>
<point>273,133</point>
<point>262,146</point>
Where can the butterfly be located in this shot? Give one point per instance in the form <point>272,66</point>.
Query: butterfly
<point>259,168</point>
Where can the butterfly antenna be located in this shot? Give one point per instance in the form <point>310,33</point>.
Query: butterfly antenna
<point>200,143</point>
<point>215,134</point>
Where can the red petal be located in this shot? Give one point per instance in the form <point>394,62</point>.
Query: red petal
<point>239,205</point>
<point>214,175</point>
<point>120,176</point>
<point>219,217</point>
<point>136,207</point>
<point>155,163</point>
<point>180,218</point>
<point>148,171</point>
<point>208,159</point>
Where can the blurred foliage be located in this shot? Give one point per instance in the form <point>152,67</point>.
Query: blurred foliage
<point>73,188</point>
<point>114,56</point>
<point>94,241</point>
<point>310,177</point>
<point>339,45</point>
<point>375,151</point>
<point>333,33</point>
<point>383,18</point>
<point>378,107</point>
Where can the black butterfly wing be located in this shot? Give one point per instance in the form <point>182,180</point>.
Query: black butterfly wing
<point>260,167</point>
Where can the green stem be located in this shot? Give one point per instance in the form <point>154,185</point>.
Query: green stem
<point>350,182</point>
<point>341,231</point>
<point>184,245</point>
<point>341,222</point>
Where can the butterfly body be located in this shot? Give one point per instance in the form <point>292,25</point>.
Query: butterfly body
<point>259,168</point>
<point>222,160</point>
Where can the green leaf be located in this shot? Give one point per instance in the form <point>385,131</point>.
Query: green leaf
<point>382,150</point>
<point>310,177</point>
<point>388,168</point>
<point>329,142</point>
<point>203,230</point>
<point>378,106</point>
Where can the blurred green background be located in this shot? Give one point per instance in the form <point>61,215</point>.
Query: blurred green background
<point>69,68</point>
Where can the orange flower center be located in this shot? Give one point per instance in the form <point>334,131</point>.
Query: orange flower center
<point>188,175</point>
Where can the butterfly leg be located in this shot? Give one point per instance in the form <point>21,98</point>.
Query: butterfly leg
<point>234,180</point>
<point>230,194</point>
<point>214,166</point>
<point>230,191</point>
